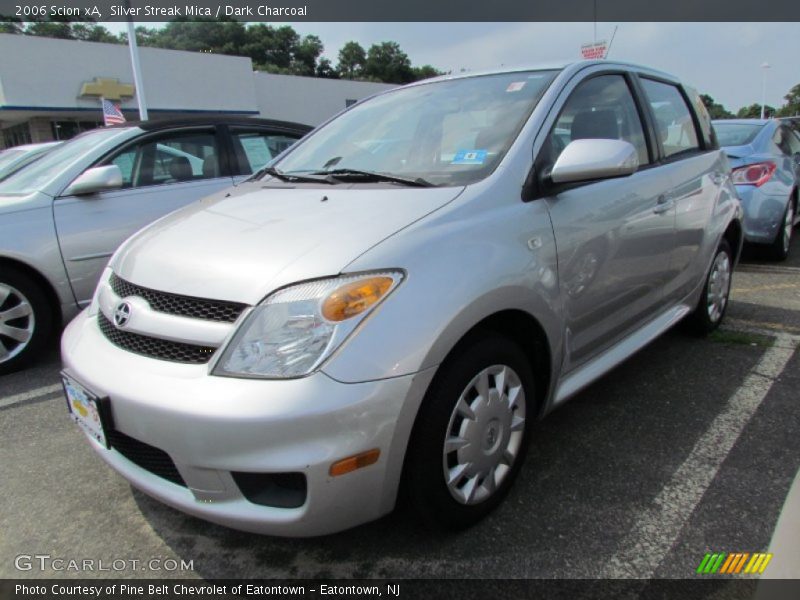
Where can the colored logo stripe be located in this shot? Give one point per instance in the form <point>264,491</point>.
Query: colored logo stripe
<point>733,563</point>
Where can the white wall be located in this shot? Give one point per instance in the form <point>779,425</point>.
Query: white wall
<point>48,73</point>
<point>308,100</point>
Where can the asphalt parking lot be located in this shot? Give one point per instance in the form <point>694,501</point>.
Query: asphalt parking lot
<point>689,447</point>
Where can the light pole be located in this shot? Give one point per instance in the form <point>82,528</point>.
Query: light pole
<point>137,70</point>
<point>764,66</point>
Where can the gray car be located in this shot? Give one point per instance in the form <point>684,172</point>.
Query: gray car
<point>63,216</point>
<point>765,158</point>
<point>398,299</point>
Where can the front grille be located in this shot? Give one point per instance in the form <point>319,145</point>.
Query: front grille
<point>175,304</point>
<point>154,347</point>
<point>146,456</point>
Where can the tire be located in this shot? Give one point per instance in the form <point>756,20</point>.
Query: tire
<point>712,306</point>
<point>26,320</point>
<point>498,429</point>
<point>779,250</point>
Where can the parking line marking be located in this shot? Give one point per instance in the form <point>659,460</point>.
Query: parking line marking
<point>30,395</point>
<point>657,527</point>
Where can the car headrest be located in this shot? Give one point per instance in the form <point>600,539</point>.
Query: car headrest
<point>600,124</point>
<point>180,168</point>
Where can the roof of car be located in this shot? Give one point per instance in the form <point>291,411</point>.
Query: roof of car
<point>158,124</point>
<point>553,65</point>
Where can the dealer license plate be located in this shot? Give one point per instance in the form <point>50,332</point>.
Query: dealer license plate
<point>84,408</point>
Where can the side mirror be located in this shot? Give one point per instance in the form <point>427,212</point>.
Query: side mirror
<point>95,180</point>
<point>584,160</point>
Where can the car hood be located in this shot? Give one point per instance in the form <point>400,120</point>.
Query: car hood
<point>242,244</point>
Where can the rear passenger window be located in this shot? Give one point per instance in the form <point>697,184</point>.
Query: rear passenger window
<point>600,108</point>
<point>255,149</point>
<point>171,158</point>
<point>674,122</point>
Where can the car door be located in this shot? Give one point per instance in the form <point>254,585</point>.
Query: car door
<point>615,236</point>
<point>162,172</point>
<point>697,169</point>
<point>254,147</point>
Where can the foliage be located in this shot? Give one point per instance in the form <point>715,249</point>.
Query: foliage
<point>715,111</point>
<point>792,106</point>
<point>754,111</point>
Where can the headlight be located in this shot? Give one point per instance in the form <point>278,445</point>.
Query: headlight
<point>295,329</point>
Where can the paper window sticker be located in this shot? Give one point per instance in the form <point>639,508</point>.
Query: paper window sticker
<point>515,86</point>
<point>469,157</point>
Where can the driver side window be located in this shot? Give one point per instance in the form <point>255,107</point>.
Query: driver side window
<point>599,108</point>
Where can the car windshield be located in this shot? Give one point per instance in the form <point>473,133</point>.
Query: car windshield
<point>31,178</point>
<point>450,132</point>
<point>736,134</point>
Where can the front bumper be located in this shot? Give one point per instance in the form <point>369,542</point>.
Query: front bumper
<point>212,426</point>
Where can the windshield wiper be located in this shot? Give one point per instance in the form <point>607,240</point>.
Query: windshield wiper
<point>344,174</point>
<point>290,177</point>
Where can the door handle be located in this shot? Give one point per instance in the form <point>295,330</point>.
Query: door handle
<point>664,204</point>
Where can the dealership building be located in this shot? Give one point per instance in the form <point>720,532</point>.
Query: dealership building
<point>50,89</point>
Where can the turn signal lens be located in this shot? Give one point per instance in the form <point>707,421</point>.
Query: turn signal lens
<point>756,174</point>
<point>347,465</point>
<point>354,298</point>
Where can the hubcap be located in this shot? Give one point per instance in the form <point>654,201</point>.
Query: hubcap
<point>16,322</point>
<point>484,435</point>
<point>719,284</point>
<point>788,226</point>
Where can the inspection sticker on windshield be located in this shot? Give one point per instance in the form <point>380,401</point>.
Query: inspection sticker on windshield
<point>515,86</point>
<point>469,157</point>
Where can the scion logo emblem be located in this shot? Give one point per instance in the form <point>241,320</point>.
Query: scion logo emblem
<point>122,314</point>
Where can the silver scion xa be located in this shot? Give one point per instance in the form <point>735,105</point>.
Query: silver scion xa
<point>402,295</point>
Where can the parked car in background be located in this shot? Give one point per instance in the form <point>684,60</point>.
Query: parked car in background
<point>765,158</point>
<point>402,294</point>
<point>13,159</point>
<point>63,216</point>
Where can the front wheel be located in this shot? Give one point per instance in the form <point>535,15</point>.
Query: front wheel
<point>713,302</point>
<point>471,434</point>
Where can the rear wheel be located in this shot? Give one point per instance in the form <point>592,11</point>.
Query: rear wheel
<point>25,320</point>
<point>779,250</point>
<point>713,302</point>
<point>471,434</point>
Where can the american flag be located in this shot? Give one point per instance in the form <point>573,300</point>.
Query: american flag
<point>112,115</point>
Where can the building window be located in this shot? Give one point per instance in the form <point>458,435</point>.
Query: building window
<point>65,130</point>
<point>17,135</point>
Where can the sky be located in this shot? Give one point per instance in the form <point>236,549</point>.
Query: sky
<point>720,59</point>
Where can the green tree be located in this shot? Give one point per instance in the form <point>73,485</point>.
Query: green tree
<point>716,111</point>
<point>89,32</point>
<point>426,72</point>
<point>387,62</point>
<point>754,111</point>
<point>351,61</point>
<point>305,55</point>
<point>53,29</point>
<point>792,106</point>
<point>325,69</point>
<point>11,25</point>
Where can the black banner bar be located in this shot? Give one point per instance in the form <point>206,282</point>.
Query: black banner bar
<point>728,588</point>
<point>405,10</point>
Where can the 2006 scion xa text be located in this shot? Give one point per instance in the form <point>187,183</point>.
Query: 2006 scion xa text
<point>395,301</point>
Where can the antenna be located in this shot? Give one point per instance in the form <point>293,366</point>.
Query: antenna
<point>613,35</point>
